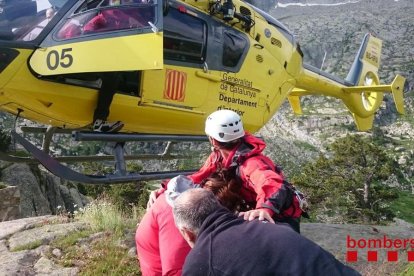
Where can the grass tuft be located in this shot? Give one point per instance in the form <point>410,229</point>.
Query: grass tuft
<point>28,246</point>
<point>103,215</point>
<point>104,254</point>
<point>70,239</point>
<point>404,206</point>
<point>110,258</point>
<point>409,271</point>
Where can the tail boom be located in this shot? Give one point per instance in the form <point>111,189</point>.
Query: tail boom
<point>361,91</point>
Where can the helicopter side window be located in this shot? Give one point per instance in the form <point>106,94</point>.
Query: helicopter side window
<point>24,20</point>
<point>32,33</point>
<point>107,16</point>
<point>184,37</point>
<point>233,48</point>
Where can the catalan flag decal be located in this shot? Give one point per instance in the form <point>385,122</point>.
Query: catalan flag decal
<point>175,84</point>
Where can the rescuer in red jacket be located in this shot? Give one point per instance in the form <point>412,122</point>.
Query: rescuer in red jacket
<point>160,246</point>
<point>263,186</point>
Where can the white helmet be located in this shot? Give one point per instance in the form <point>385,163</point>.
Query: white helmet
<point>224,126</point>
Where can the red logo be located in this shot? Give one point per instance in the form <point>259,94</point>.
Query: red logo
<point>395,249</point>
<point>174,88</point>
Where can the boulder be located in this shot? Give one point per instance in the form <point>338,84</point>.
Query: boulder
<point>40,193</point>
<point>45,266</point>
<point>10,203</point>
<point>42,235</point>
<point>16,263</point>
<point>32,199</point>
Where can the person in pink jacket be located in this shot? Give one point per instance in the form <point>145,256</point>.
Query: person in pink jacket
<point>264,186</point>
<point>160,246</point>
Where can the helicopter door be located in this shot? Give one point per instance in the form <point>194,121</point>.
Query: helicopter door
<point>178,86</point>
<point>103,35</point>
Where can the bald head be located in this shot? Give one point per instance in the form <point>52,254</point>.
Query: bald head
<point>192,207</point>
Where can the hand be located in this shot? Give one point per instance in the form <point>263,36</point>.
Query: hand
<point>151,200</point>
<point>260,213</point>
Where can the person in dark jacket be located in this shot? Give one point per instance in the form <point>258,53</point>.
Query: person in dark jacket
<point>223,244</point>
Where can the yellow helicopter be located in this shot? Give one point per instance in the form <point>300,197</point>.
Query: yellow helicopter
<point>180,60</point>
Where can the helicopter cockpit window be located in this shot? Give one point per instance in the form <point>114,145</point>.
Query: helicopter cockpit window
<point>184,37</point>
<point>233,48</point>
<point>106,16</point>
<point>24,20</point>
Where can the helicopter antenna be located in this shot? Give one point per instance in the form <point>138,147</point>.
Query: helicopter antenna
<point>17,117</point>
<point>19,110</point>
<point>323,60</point>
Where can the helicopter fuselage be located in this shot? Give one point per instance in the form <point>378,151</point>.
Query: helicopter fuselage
<point>183,65</point>
<point>178,61</point>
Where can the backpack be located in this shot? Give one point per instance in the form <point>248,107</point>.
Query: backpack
<point>291,190</point>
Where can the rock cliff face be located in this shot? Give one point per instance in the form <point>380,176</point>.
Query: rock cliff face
<point>337,31</point>
<point>40,192</point>
<point>10,203</point>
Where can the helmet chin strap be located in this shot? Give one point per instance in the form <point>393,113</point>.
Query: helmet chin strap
<point>214,145</point>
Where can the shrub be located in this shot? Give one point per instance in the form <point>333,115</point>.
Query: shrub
<point>103,215</point>
<point>348,184</point>
<point>5,140</point>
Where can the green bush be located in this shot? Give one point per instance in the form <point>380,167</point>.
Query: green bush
<point>408,271</point>
<point>126,195</point>
<point>346,185</point>
<point>123,195</point>
<point>2,186</point>
<point>404,206</point>
<point>5,140</point>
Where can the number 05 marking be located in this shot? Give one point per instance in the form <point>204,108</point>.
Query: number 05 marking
<point>53,59</point>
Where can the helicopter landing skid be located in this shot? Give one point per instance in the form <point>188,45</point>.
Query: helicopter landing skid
<point>120,175</point>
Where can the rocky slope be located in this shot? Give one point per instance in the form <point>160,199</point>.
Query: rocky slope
<point>18,237</point>
<point>27,248</point>
<point>337,30</point>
